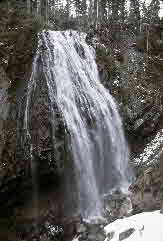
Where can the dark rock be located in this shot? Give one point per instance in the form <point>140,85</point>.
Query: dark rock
<point>126,234</point>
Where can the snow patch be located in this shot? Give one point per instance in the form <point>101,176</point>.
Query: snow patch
<point>155,146</point>
<point>145,226</point>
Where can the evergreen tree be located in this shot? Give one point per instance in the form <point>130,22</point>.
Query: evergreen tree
<point>134,15</point>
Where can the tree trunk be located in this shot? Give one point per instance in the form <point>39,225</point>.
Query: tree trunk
<point>103,12</point>
<point>95,13</point>
<point>28,6</point>
<point>135,8</point>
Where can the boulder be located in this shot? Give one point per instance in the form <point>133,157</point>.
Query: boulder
<point>117,205</point>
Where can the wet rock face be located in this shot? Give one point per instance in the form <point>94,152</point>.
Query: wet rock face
<point>15,146</point>
<point>18,194</point>
<point>16,181</point>
<point>17,176</point>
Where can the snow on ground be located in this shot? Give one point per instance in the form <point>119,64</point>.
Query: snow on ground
<point>147,226</point>
<point>152,150</point>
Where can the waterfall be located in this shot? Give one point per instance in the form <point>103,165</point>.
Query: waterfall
<point>90,114</point>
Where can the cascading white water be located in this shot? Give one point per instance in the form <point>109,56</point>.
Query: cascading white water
<point>27,137</point>
<point>90,114</point>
